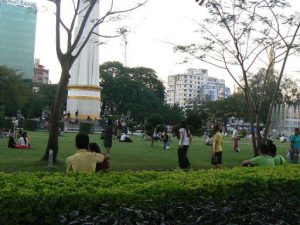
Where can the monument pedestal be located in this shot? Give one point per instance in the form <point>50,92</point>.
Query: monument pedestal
<point>85,99</point>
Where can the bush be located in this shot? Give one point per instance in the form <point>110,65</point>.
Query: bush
<point>30,125</point>
<point>4,123</point>
<point>39,198</point>
<point>85,127</point>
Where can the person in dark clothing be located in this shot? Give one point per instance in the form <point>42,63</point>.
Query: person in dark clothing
<point>94,147</point>
<point>11,142</point>
<point>165,140</point>
<point>108,135</point>
<point>185,138</point>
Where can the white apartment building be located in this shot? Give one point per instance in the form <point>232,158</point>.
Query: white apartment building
<point>194,85</point>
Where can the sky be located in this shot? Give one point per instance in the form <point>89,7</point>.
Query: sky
<point>150,27</point>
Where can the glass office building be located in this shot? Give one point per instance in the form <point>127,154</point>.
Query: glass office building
<point>17,36</point>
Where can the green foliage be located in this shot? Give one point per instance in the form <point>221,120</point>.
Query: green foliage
<point>85,127</point>
<point>149,129</point>
<point>202,210</point>
<point>171,114</point>
<point>39,198</point>
<point>4,123</point>
<point>30,125</point>
<point>126,89</point>
<point>195,120</point>
<point>131,124</point>
<point>44,98</point>
<point>14,93</point>
<point>154,119</point>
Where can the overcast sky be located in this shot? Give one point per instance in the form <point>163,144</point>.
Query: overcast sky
<point>151,26</point>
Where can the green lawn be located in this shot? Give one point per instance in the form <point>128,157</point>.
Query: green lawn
<point>138,155</point>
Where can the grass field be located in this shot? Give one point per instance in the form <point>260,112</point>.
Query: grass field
<point>138,155</point>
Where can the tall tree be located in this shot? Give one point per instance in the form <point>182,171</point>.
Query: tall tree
<point>37,101</point>
<point>237,36</point>
<point>74,46</point>
<point>148,78</point>
<point>221,110</point>
<point>14,93</point>
<point>129,89</point>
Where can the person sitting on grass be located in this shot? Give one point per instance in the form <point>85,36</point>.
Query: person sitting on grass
<point>125,138</point>
<point>11,140</point>
<point>83,161</point>
<point>209,140</point>
<point>278,159</point>
<point>262,160</point>
<point>23,142</point>
<point>104,166</point>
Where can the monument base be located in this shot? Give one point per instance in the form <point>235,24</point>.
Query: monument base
<point>84,99</point>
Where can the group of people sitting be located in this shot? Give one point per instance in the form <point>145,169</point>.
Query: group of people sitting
<point>23,140</point>
<point>267,156</point>
<point>88,157</point>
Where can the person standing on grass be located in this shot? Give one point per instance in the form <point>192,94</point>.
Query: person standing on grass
<point>295,146</point>
<point>217,147</point>
<point>165,139</point>
<point>235,139</point>
<point>108,133</point>
<point>185,139</point>
<point>83,161</point>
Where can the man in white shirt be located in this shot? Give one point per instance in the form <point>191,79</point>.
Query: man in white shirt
<point>235,140</point>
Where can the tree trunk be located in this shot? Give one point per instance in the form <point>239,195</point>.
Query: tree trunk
<point>259,138</point>
<point>56,114</point>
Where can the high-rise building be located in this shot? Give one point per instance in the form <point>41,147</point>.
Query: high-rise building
<point>17,36</point>
<point>194,86</point>
<point>183,89</point>
<point>213,89</point>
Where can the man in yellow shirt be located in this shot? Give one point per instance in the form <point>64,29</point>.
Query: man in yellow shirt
<point>83,161</point>
<point>217,147</point>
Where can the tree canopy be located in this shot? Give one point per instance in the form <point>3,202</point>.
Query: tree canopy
<point>137,90</point>
<point>237,36</point>
<point>14,93</point>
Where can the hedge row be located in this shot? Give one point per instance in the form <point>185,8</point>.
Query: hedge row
<point>39,198</point>
<point>281,210</point>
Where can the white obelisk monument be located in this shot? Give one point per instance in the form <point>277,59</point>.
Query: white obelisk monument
<point>84,89</point>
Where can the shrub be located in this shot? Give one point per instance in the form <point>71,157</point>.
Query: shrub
<point>30,125</point>
<point>86,127</point>
<point>4,123</point>
<point>39,198</point>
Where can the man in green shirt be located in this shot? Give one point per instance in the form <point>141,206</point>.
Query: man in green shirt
<point>278,159</point>
<point>262,160</point>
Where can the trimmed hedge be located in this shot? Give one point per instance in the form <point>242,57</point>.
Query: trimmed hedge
<point>86,127</point>
<point>39,198</point>
<point>4,123</point>
<point>30,125</point>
